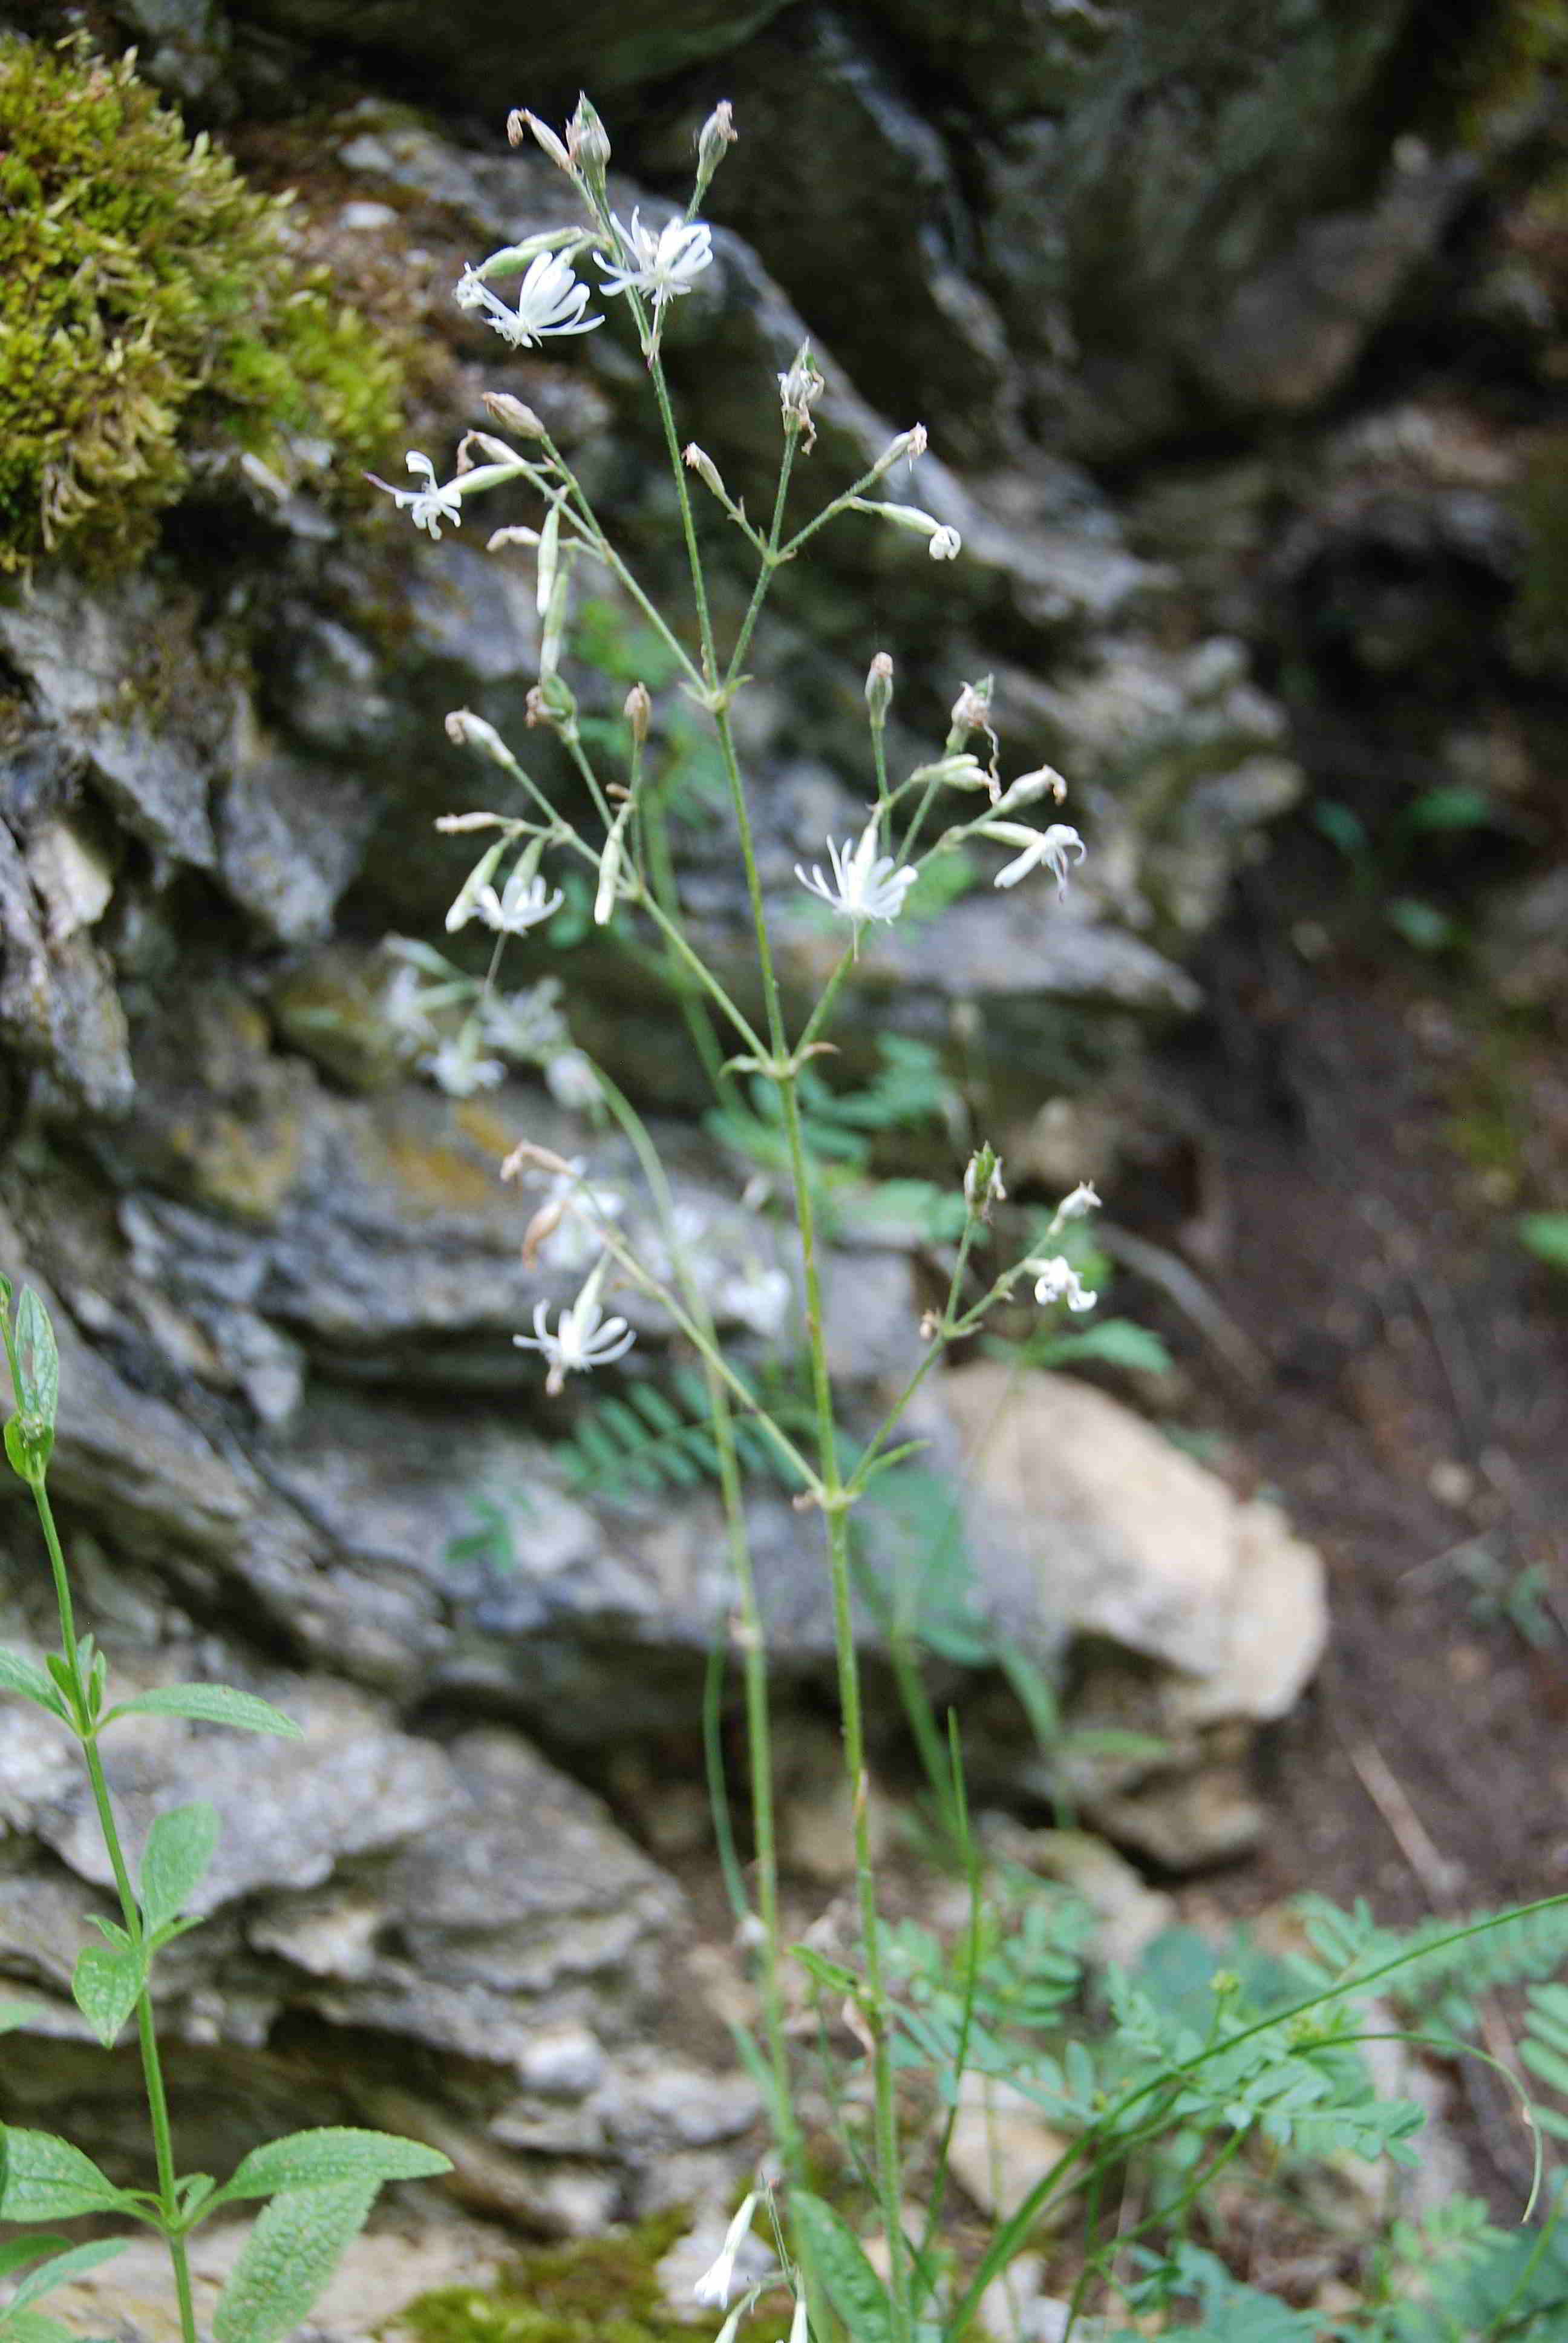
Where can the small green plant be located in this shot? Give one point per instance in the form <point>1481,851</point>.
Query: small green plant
<point>1381,862</point>
<point>152,315</point>
<point>318,2186</point>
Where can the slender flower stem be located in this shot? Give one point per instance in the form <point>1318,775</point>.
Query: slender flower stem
<point>152,2066</point>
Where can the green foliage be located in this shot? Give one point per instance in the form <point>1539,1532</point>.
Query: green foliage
<point>656,1439</point>
<point>1442,1975</point>
<point>1377,863</point>
<point>152,315</point>
<point>1546,1234</point>
<point>840,1127</point>
<point>600,2290</point>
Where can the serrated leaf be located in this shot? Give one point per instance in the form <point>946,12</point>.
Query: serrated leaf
<point>37,1359</point>
<point>106,1986</point>
<point>211,1705</point>
<point>47,2180</point>
<point>63,2268</point>
<point>179,1848</point>
<point>335,2153</point>
<point>839,2258</point>
<point>27,1682</point>
<point>288,2259</point>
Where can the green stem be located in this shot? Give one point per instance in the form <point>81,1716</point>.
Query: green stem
<point>152,2066</point>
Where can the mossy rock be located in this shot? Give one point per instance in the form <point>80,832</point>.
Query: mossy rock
<point>152,316</point>
<point>594,2290</point>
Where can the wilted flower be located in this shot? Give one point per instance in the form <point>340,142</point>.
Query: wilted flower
<point>584,1337</point>
<point>550,300</point>
<point>879,689</point>
<point>865,885</point>
<point>523,902</point>
<point>663,264</point>
<point>798,391</point>
<point>1074,1205</point>
<point>1046,782</point>
<point>1056,1280</point>
<point>1052,846</point>
<point>466,730</point>
<point>713,2286</point>
<point>428,507</point>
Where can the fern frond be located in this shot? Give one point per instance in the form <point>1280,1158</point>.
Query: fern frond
<point>1443,1972</point>
<point>652,1440</point>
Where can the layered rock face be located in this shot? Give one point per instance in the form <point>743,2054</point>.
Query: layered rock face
<point>1171,289</point>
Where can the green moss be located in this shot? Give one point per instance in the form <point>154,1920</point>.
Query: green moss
<point>595,2290</point>
<point>151,314</point>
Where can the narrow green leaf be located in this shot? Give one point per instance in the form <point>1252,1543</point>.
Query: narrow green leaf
<point>29,1682</point>
<point>853,2288</point>
<point>38,1359</point>
<point>211,1705</point>
<point>63,2269</point>
<point>47,2180</point>
<point>106,1986</point>
<point>33,2327</point>
<point>18,2250</point>
<point>336,2153</point>
<point>174,1862</point>
<point>288,2259</point>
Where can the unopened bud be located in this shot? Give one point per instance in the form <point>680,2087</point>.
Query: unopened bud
<point>696,459</point>
<point>483,871</point>
<point>942,543</point>
<point>912,443</point>
<point>471,731</point>
<point>879,689</point>
<point>549,561</point>
<point>637,711</point>
<point>1029,787</point>
<point>718,133</point>
<point>587,144</point>
<point>514,414</point>
<point>798,391</point>
<point>521,120</point>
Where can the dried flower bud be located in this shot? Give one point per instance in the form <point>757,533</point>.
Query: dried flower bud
<point>514,414</point>
<point>982,1184</point>
<point>496,450</point>
<point>637,711</point>
<point>698,460</point>
<point>717,134</point>
<point>798,391</point>
<point>520,119</point>
<point>971,709</point>
<point>879,689</point>
<point>587,144</point>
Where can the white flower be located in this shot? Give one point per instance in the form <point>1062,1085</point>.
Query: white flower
<point>760,1298</point>
<point>403,1005</point>
<point>428,506</point>
<point>1051,847</point>
<point>865,885</point>
<point>526,1024</point>
<point>664,264</point>
<point>942,543</point>
<point>584,1338</point>
<point>1057,1280</point>
<point>454,1067</point>
<point>571,1081</point>
<point>550,300</point>
<point>713,2286</point>
<point>946,545</point>
<point>522,903</point>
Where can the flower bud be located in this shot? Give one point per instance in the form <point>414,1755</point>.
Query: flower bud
<point>637,711</point>
<point>698,460</point>
<point>587,144</point>
<point>718,133</point>
<point>971,710</point>
<point>550,560</point>
<point>470,731</point>
<point>879,689</point>
<point>1031,786</point>
<point>521,120</point>
<point>798,391</point>
<point>912,443</point>
<point>483,871</point>
<point>941,543</point>
<point>514,414</point>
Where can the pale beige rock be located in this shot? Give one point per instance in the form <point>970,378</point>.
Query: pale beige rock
<point>1002,2146</point>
